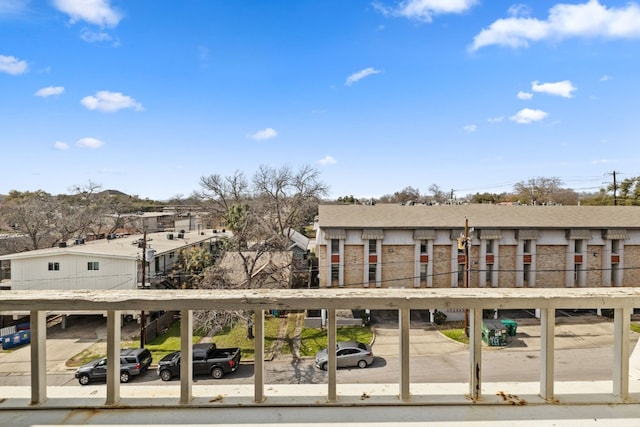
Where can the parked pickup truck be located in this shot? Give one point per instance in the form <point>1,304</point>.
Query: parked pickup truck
<point>207,360</point>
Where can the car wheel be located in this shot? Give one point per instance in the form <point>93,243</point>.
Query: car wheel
<point>83,379</point>
<point>217,373</point>
<point>165,375</point>
<point>124,377</point>
<point>324,366</point>
<point>362,364</point>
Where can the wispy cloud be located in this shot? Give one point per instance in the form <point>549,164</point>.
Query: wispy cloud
<point>587,20</point>
<point>95,36</point>
<point>425,10</point>
<point>355,77</point>
<point>89,143</point>
<point>13,7</point>
<point>470,128</point>
<point>563,88</point>
<point>49,91</point>
<point>13,65</point>
<point>263,134</point>
<point>498,119</point>
<point>110,102</point>
<point>524,95</point>
<point>59,145</point>
<point>527,116</point>
<point>95,12</point>
<point>327,160</point>
<point>605,78</point>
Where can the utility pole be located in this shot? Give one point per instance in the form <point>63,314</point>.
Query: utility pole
<point>615,188</point>
<point>465,243</point>
<point>143,317</point>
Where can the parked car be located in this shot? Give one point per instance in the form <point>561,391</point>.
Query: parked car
<point>348,353</point>
<point>207,360</point>
<point>133,361</point>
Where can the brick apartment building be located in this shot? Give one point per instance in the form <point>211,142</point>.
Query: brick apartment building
<point>395,246</point>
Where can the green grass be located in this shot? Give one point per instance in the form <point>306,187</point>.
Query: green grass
<point>454,331</point>
<point>167,343</point>
<point>237,337</point>
<point>635,327</point>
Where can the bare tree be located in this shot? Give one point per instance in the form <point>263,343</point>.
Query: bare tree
<point>539,190</point>
<point>259,214</point>
<point>34,215</point>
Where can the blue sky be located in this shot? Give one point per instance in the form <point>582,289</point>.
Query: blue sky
<point>147,96</point>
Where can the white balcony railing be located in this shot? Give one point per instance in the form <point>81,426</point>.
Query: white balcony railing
<point>622,300</point>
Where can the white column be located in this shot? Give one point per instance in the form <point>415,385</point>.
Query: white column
<point>38,324</point>
<point>186,354</point>
<point>416,263</point>
<point>430,264</point>
<point>341,270</point>
<point>331,355</point>
<point>620,276</point>
<point>379,263</point>
<point>606,264</point>
<point>365,266</point>
<point>520,264</point>
<point>404,316</point>
<point>114,323</point>
<point>547,354</point>
<point>482,264</point>
<point>329,263</point>
<point>475,354</point>
<point>259,356</point>
<point>621,322</point>
<point>454,264</point>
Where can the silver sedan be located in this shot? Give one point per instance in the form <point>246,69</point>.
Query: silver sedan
<point>348,353</point>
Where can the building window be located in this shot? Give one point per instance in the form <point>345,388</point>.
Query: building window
<point>489,274</point>
<point>527,246</point>
<point>460,274</point>
<point>335,246</point>
<point>373,268</point>
<point>373,246</point>
<point>578,246</point>
<point>615,274</point>
<point>335,272</point>
<point>423,246</point>
<point>423,273</point>
<point>576,274</point>
<point>54,266</point>
<point>171,255</point>
<point>489,246</point>
<point>527,275</point>
<point>93,265</point>
<point>615,246</point>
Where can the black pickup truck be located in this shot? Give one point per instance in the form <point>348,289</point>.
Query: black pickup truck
<point>207,360</point>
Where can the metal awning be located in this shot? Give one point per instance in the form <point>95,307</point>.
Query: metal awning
<point>424,234</point>
<point>335,233</point>
<point>615,234</point>
<point>528,234</point>
<point>578,234</point>
<point>372,234</point>
<point>489,234</point>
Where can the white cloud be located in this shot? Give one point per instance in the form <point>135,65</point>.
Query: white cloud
<point>13,7</point>
<point>49,91</point>
<point>94,36</point>
<point>327,160</point>
<point>110,101</point>
<point>353,78</point>
<point>424,10</point>
<point>96,12</point>
<point>12,65</point>
<point>89,143</point>
<point>527,115</point>
<point>519,10</point>
<point>263,134</point>
<point>498,119</point>
<point>588,20</point>
<point>59,145</point>
<point>470,128</point>
<point>524,95</point>
<point>563,88</point>
<point>605,78</point>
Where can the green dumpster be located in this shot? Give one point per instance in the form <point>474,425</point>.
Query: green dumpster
<point>494,333</point>
<point>511,325</point>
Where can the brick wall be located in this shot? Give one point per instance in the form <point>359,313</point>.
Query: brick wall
<point>594,266</point>
<point>353,266</point>
<point>441,266</point>
<point>631,277</point>
<point>550,258</point>
<point>398,263</point>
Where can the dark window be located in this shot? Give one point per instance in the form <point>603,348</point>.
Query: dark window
<point>335,246</point>
<point>423,246</point>
<point>423,272</point>
<point>93,265</point>
<point>54,266</point>
<point>372,272</point>
<point>527,275</point>
<point>527,246</point>
<point>489,274</point>
<point>489,244</point>
<point>373,246</point>
<point>335,272</point>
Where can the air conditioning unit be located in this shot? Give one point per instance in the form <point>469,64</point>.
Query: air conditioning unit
<point>180,235</point>
<point>170,236</point>
<point>62,244</point>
